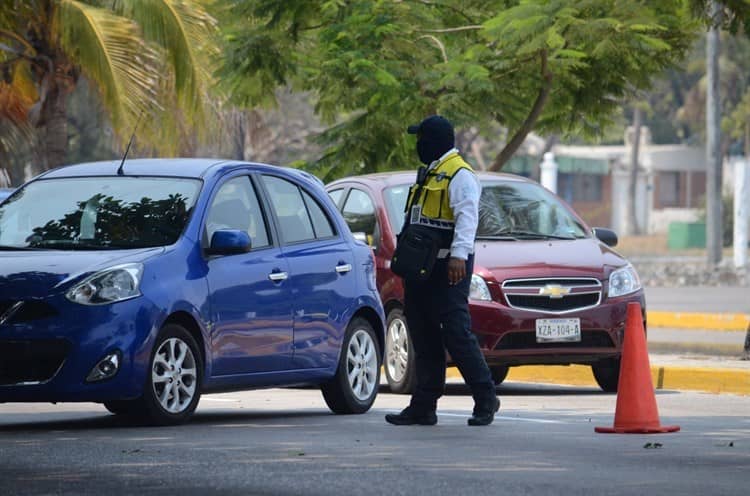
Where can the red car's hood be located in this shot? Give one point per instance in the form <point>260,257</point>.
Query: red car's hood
<point>545,258</point>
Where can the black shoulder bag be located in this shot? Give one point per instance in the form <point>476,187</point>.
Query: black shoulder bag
<point>417,245</point>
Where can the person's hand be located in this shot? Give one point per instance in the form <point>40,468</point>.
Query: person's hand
<point>456,270</point>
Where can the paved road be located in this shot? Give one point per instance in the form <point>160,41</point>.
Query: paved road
<point>720,299</point>
<point>285,442</point>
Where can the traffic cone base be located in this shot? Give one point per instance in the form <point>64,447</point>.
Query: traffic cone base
<point>636,411</point>
<point>637,430</point>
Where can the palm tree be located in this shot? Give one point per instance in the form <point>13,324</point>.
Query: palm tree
<point>144,57</point>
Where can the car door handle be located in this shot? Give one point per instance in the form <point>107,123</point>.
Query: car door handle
<point>278,276</point>
<point>343,268</point>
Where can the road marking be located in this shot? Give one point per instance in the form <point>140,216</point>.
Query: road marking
<point>222,400</point>
<point>503,417</point>
<point>497,417</point>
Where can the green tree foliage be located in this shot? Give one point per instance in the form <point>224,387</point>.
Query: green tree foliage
<point>141,56</point>
<point>677,100</point>
<point>734,14</point>
<point>374,66</point>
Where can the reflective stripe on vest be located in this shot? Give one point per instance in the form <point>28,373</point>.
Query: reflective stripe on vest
<point>434,198</point>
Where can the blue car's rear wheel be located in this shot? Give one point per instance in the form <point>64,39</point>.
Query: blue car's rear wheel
<point>173,382</point>
<point>354,387</point>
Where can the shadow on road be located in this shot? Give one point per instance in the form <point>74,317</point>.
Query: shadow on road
<point>78,421</point>
<point>525,389</point>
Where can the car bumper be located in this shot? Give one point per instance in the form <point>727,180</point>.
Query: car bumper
<point>507,335</point>
<point>53,356</point>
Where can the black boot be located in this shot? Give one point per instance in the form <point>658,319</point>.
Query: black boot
<point>409,416</point>
<point>484,416</point>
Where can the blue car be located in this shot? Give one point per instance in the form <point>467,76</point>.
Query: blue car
<point>5,193</point>
<point>145,284</point>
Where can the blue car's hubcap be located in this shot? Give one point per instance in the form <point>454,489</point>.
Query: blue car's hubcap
<point>174,375</point>
<point>362,365</point>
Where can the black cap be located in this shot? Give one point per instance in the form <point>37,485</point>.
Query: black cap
<point>434,127</point>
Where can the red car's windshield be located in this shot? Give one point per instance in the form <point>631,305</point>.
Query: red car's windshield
<point>506,209</point>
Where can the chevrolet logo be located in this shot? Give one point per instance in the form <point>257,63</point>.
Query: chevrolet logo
<point>554,291</point>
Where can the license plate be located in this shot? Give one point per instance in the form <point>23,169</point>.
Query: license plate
<point>553,330</point>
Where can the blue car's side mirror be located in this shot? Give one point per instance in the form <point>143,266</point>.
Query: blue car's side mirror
<point>229,242</point>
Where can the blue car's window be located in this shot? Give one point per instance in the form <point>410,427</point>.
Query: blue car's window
<point>321,223</point>
<point>98,212</point>
<point>236,206</point>
<point>300,218</point>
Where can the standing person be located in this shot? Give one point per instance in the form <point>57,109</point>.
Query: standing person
<point>437,309</point>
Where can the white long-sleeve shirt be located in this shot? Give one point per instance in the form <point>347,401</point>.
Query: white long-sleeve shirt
<point>463,191</point>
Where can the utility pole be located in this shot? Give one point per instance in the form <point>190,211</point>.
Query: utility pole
<point>633,227</point>
<point>713,141</point>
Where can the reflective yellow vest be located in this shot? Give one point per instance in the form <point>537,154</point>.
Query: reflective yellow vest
<point>433,200</point>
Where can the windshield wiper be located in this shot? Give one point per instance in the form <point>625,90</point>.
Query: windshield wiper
<point>534,235</point>
<point>497,237</point>
<point>66,244</point>
<point>16,248</point>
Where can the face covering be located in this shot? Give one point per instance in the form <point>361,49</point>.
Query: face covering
<point>430,150</point>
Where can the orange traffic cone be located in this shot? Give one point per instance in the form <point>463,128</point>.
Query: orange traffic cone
<point>636,411</point>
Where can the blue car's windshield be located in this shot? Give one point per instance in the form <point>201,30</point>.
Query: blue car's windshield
<point>97,213</point>
<point>512,210</point>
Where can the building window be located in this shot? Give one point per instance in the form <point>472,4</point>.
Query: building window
<point>668,190</point>
<point>579,188</point>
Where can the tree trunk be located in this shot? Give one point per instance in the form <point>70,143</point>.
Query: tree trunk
<point>635,149</point>
<point>53,134</point>
<point>238,133</point>
<point>536,110</point>
<point>713,143</point>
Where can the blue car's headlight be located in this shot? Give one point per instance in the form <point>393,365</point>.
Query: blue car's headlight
<point>118,283</point>
<point>623,281</point>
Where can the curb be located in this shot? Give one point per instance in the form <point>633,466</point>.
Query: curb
<point>703,321</point>
<point>712,380</point>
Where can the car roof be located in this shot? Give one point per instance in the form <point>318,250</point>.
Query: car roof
<point>175,167</point>
<point>169,167</point>
<point>386,179</point>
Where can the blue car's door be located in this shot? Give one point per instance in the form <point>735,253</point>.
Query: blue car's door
<point>250,295</point>
<point>321,265</point>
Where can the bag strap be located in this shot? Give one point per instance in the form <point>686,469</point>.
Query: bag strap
<point>422,175</point>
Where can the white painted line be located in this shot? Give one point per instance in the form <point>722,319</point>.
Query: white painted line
<point>502,417</point>
<point>222,400</point>
<point>498,417</point>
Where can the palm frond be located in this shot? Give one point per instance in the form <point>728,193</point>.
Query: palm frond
<point>187,32</point>
<point>17,95</point>
<point>110,51</point>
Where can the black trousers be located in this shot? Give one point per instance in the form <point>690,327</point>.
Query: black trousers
<point>437,314</point>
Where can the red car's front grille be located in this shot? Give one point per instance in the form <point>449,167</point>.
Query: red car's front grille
<point>552,295</point>
<point>31,361</point>
<point>527,340</point>
<point>573,302</point>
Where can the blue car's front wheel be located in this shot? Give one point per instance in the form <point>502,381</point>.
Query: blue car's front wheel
<point>173,382</point>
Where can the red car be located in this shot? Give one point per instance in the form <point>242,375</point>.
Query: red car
<point>546,288</point>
